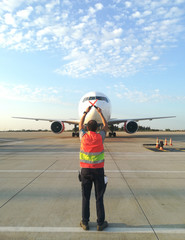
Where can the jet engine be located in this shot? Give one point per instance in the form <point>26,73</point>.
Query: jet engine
<point>131,127</point>
<point>57,127</point>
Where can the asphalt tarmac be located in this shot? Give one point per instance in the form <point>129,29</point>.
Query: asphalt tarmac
<point>40,195</point>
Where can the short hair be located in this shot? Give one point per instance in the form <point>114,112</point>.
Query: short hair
<point>92,125</point>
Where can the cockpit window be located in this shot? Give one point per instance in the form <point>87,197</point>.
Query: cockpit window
<point>94,98</point>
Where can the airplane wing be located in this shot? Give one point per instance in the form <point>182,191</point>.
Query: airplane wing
<point>117,121</point>
<point>51,120</point>
<point>110,122</point>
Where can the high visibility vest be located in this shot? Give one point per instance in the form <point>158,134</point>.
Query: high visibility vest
<point>91,151</point>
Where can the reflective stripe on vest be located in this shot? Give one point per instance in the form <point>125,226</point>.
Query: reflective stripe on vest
<point>92,151</point>
<point>92,158</point>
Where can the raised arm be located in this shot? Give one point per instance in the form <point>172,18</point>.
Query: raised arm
<point>83,118</point>
<point>104,121</point>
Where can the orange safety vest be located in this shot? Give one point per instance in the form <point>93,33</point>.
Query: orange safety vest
<point>91,151</point>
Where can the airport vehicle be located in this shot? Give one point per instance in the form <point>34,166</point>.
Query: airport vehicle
<point>96,99</point>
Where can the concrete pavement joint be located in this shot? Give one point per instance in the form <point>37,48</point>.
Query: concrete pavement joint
<point>123,177</point>
<point>27,185</point>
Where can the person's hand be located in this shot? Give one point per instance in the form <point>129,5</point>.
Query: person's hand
<point>98,110</point>
<point>88,109</point>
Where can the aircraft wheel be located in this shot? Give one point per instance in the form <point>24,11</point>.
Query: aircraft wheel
<point>75,134</point>
<point>110,134</point>
<point>114,134</point>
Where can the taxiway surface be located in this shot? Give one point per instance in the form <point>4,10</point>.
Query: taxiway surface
<point>40,195</point>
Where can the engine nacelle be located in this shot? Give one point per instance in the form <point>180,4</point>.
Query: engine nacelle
<point>57,127</point>
<point>131,127</point>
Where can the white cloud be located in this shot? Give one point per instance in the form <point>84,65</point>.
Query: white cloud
<point>121,40</point>
<point>147,13</point>
<point>136,14</point>
<point>24,14</point>
<point>174,12</point>
<point>43,32</point>
<point>128,4</point>
<point>92,10</point>
<point>140,21</point>
<point>111,34</point>
<point>10,5</point>
<point>51,5</point>
<point>3,28</point>
<point>99,6</point>
<point>155,58</point>
<point>9,19</point>
<point>39,9</point>
<point>28,94</point>
<point>17,37</point>
<point>179,1</point>
<point>67,3</point>
<point>137,96</point>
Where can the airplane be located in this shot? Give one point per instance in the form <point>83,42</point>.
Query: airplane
<point>95,99</point>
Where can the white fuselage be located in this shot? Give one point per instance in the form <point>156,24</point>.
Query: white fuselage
<point>102,102</point>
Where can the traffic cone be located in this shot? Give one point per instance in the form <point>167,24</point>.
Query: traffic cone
<point>165,142</point>
<point>161,145</point>
<point>170,142</point>
<point>157,142</point>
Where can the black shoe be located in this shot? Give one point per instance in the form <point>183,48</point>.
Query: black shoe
<point>84,226</point>
<point>103,226</point>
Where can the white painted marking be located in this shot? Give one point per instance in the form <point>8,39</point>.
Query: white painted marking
<point>8,142</point>
<point>170,230</point>
<point>75,171</point>
<point>150,171</point>
<point>136,230</point>
<point>38,171</point>
<point>125,154</point>
<point>73,229</point>
<point>40,229</point>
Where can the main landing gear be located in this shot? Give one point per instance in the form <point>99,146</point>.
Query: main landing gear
<point>112,133</point>
<point>75,133</point>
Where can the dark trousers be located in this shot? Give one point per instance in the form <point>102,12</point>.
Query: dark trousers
<point>88,177</point>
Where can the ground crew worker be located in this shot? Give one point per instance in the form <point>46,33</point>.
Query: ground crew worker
<point>92,168</point>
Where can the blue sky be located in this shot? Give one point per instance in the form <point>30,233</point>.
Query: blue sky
<point>53,52</point>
